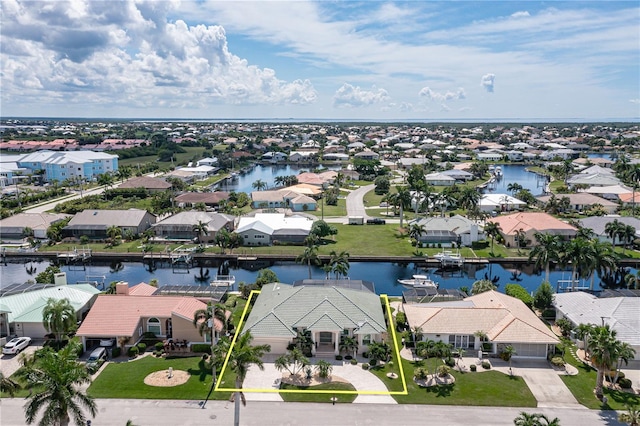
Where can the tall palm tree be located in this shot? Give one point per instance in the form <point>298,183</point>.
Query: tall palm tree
<point>605,260</point>
<point>339,263</point>
<point>349,345</point>
<point>546,251</point>
<point>309,256</point>
<point>602,346</point>
<point>59,378</point>
<point>513,188</point>
<point>404,200</point>
<point>469,198</point>
<point>204,319</point>
<point>627,234</point>
<point>579,254</point>
<point>583,331</point>
<point>201,229</point>
<point>259,185</point>
<point>59,317</point>
<point>243,356</point>
<point>416,231</point>
<point>613,229</point>
<point>624,353</point>
<point>492,230</point>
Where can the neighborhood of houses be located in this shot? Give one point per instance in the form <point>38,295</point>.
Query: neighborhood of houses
<point>327,313</point>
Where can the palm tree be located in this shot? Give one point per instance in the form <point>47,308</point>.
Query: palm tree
<point>324,368</point>
<point>404,200</point>
<point>508,352</point>
<point>59,378</point>
<point>259,185</point>
<point>627,234</point>
<point>201,229</point>
<point>624,352</point>
<point>631,416</point>
<point>469,198</point>
<point>349,345</point>
<point>613,230</point>
<point>59,317</point>
<point>416,231</point>
<point>481,286</point>
<point>604,259</point>
<point>492,230</point>
<point>309,256</point>
<point>243,356</point>
<point>294,362</point>
<point>582,332</point>
<point>602,346</point>
<point>579,254</point>
<point>114,233</point>
<point>8,385</point>
<point>339,263</point>
<point>514,187</point>
<point>204,319</point>
<point>546,251</point>
<point>535,419</point>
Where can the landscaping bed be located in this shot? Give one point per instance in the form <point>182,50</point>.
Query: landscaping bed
<point>309,396</point>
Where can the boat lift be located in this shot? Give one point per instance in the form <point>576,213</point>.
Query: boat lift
<point>181,259</point>
<point>223,281</point>
<point>76,257</point>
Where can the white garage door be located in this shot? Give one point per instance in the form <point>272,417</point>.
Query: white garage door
<point>530,350</point>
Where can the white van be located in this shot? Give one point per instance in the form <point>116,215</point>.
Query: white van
<point>98,355</point>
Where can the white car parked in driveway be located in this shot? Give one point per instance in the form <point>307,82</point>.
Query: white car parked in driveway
<point>16,345</point>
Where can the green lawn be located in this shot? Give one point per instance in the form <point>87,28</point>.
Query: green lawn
<point>126,380</point>
<point>583,384</point>
<point>310,396</point>
<point>182,158</point>
<point>331,211</point>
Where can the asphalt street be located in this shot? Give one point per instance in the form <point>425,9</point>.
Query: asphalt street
<point>175,413</point>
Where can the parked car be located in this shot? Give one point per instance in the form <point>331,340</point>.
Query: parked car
<point>16,345</point>
<point>376,221</point>
<point>98,356</point>
<point>107,343</point>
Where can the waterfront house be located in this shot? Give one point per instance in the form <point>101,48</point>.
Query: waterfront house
<point>504,320</point>
<point>583,201</point>
<point>13,227</point>
<point>598,225</point>
<point>489,156</point>
<point>207,161</point>
<point>328,311</point>
<point>620,313</point>
<point>21,306</point>
<point>129,316</point>
<point>302,156</point>
<point>94,223</point>
<point>439,179</point>
<point>530,223</point>
<point>283,198</point>
<point>499,203</point>
<point>268,228</point>
<point>179,227</point>
<point>458,174</point>
<point>151,184</point>
<point>448,231</point>
<point>209,199</point>
<point>593,179</point>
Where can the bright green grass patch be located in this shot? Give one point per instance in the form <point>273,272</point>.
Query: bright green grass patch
<point>368,240</point>
<point>309,396</point>
<point>583,384</point>
<point>126,380</point>
<point>331,211</point>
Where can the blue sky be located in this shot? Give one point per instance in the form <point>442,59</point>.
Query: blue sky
<point>370,60</point>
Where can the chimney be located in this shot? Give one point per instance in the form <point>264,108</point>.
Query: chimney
<point>122,288</point>
<point>474,232</point>
<point>60,278</point>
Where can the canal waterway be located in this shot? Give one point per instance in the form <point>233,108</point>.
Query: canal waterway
<point>383,274</point>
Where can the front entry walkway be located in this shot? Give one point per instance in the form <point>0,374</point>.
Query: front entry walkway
<point>360,379</point>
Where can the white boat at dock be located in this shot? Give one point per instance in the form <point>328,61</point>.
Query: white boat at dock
<point>449,258</point>
<point>419,281</point>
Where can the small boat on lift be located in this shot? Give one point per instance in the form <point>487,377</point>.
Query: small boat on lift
<point>448,258</point>
<point>419,281</point>
<point>497,172</point>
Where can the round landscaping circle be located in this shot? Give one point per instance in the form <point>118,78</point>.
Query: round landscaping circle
<point>161,378</point>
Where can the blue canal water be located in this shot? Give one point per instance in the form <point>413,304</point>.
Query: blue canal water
<point>383,274</point>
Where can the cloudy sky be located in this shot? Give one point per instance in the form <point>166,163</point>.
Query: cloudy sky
<point>328,60</point>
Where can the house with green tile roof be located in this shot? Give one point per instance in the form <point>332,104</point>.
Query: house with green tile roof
<point>329,313</point>
<point>21,313</point>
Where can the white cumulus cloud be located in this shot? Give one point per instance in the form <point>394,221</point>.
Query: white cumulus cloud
<point>432,95</point>
<point>354,96</point>
<point>520,14</point>
<point>488,81</point>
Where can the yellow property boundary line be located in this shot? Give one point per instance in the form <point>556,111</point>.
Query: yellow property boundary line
<point>320,391</point>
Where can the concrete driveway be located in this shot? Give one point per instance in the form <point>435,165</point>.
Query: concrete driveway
<point>9,364</point>
<point>360,379</point>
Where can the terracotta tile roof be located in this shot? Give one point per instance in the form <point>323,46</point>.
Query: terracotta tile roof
<point>115,315</point>
<point>142,289</point>
<point>511,223</point>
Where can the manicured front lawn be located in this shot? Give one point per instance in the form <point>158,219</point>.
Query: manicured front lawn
<point>489,388</point>
<point>309,396</point>
<point>583,384</point>
<point>126,380</point>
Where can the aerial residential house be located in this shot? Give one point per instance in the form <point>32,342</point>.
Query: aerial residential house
<point>598,225</point>
<point>515,155</point>
<point>504,320</point>
<point>94,223</point>
<point>327,312</point>
<point>458,174</point>
<point>209,199</point>
<point>499,203</point>
<point>583,201</point>
<point>151,184</point>
<point>21,306</point>
<point>268,228</point>
<point>530,223</point>
<point>302,156</point>
<point>13,227</point>
<point>448,231</point>
<point>439,179</point>
<point>284,198</point>
<point>630,199</point>
<point>620,313</point>
<point>367,155</point>
<point>594,179</point>
<point>274,157</point>
<point>207,161</point>
<point>179,227</point>
<point>68,165</point>
<point>128,316</point>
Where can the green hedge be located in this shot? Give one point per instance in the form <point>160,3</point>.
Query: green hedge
<point>201,348</point>
<point>519,292</point>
